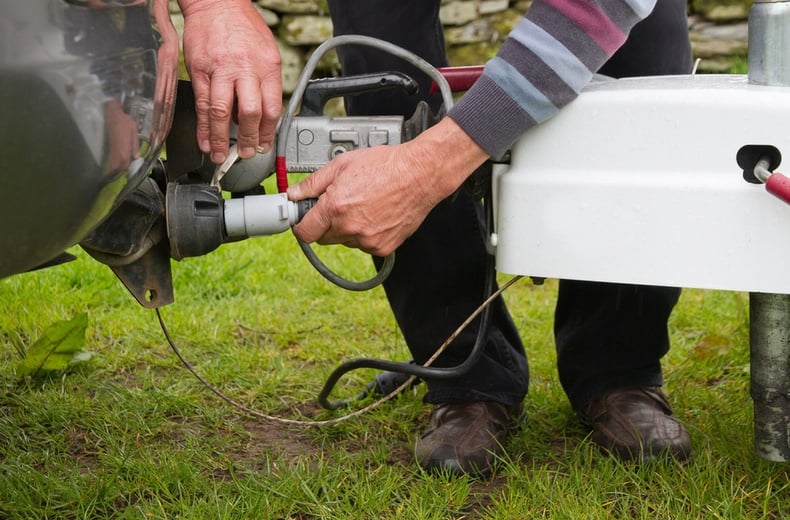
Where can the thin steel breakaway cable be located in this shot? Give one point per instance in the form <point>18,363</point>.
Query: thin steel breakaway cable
<point>348,416</point>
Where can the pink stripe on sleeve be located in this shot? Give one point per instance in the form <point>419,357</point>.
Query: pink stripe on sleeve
<point>592,21</point>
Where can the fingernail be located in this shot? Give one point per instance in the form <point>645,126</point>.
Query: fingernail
<point>247,152</point>
<point>264,148</point>
<point>205,146</point>
<point>217,157</point>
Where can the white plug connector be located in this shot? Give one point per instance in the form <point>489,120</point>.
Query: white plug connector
<point>262,215</point>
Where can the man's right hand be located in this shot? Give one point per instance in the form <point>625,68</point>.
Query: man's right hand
<point>234,64</point>
<point>375,198</point>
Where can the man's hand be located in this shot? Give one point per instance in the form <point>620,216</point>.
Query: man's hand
<point>234,64</point>
<point>373,199</point>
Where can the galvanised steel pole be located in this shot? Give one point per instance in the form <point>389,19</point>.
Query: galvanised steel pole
<point>769,314</point>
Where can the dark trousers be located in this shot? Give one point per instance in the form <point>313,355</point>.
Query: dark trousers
<point>607,335</point>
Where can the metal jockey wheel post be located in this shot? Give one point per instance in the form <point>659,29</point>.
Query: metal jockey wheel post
<point>769,329</point>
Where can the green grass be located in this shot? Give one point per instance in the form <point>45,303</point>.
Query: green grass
<point>133,435</point>
<point>739,65</point>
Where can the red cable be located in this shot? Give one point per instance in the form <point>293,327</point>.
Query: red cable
<point>282,173</point>
<point>779,186</point>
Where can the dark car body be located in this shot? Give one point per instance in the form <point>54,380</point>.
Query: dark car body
<point>87,90</point>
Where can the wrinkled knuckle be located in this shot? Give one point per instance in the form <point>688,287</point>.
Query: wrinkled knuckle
<point>273,111</point>
<point>373,248</point>
<point>339,208</point>
<point>217,142</point>
<point>342,159</point>
<point>367,245</point>
<point>331,211</point>
<point>219,110</point>
<point>198,63</point>
<point>246,135</point>
<point>299,233</point>
<point>361,231</point>
<point>250,110</point>
<point>202,105</point>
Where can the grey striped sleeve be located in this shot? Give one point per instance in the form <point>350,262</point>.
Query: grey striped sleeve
<point>547,59</point>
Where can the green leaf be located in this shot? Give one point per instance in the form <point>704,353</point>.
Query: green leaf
<point>60,345</point>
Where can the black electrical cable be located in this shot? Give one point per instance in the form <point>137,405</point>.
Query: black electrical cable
<point>421,371</point>
<point>349,285</point>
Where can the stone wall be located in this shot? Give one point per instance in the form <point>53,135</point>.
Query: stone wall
<point>474,29</point>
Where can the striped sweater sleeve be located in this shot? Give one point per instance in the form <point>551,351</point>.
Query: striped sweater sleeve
<point>544,63</point>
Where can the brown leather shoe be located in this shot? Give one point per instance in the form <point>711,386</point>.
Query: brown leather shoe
<point>465,438</point>
<point>637,424</point>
